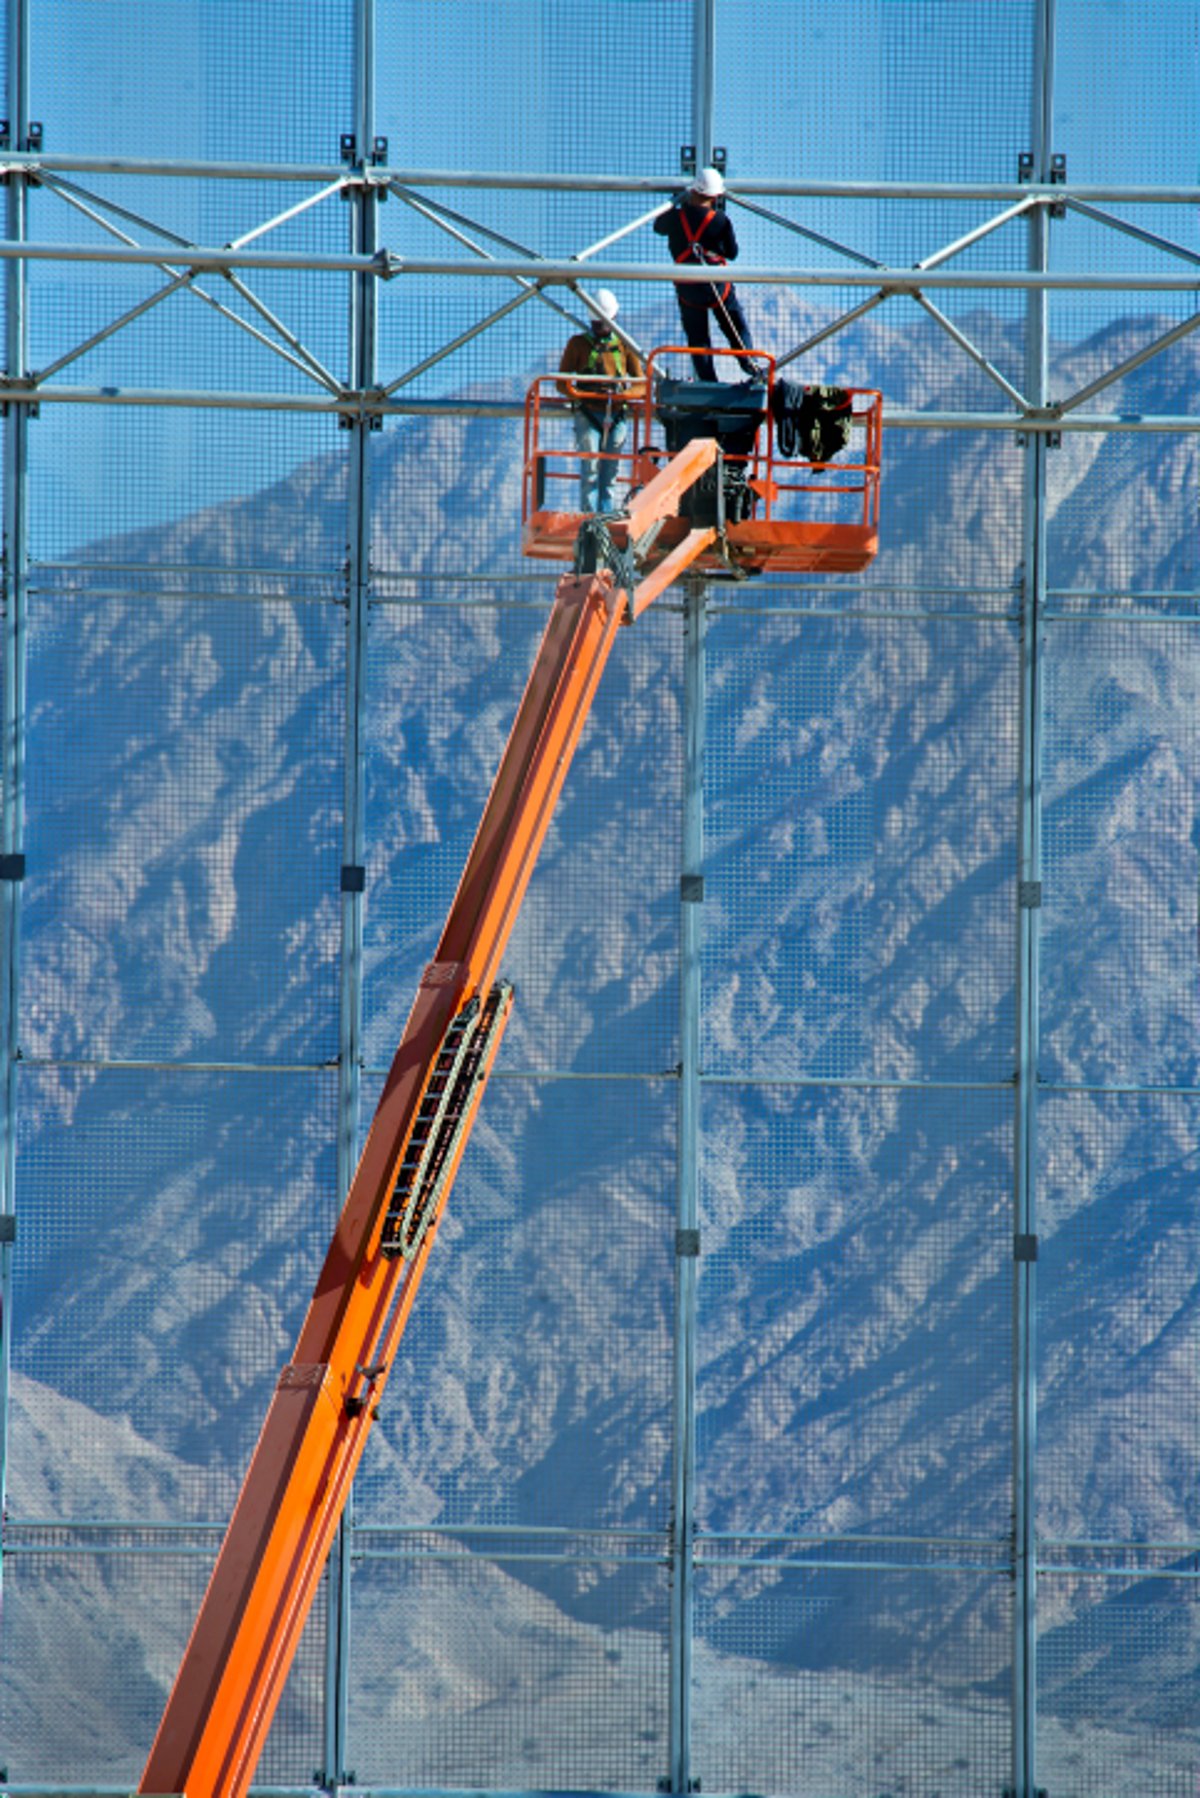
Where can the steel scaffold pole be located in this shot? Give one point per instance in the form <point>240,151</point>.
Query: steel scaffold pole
<point>361,355</point>
<point>687,1217</point>
<point>704,64</point>
<point>12,803</point>
<point>682,1596</point>
<point>1029,893</point>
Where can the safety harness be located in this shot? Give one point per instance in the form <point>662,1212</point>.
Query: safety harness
<point>614,409</point>
<point>598,348</point>
<point>695,252</point>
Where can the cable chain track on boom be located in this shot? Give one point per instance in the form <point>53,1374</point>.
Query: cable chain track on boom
<point>441,1119</point>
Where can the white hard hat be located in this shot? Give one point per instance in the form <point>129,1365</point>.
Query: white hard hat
<point>710,183</point>
<point>606,302</point>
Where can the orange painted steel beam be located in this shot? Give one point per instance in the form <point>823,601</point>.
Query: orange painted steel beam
<point>267,1572</point>
<point>670,568</point>
<point>661,496</point>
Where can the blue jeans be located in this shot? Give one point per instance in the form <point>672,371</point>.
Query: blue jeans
<point>596,477</point>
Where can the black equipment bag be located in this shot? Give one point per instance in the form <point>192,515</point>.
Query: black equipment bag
<point>732,413</point>
<point>812,424</point>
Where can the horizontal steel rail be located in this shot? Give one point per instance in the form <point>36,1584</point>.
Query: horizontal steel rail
<point>548,272</point>
<point>530,181</point>
<point>354,404</point>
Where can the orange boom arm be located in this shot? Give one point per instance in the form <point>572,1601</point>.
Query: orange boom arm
<point>235,1665</point>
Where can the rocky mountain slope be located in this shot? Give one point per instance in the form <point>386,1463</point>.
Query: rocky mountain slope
<point>860,931</point>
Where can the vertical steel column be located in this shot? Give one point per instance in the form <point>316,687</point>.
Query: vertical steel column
<point>1024,1744</point>
<point>361,349</point>
<point>687,1209</point>
<point>12,796</point>
<point>704,63</point>
<point>688,1149</point>
<point>687,1213</point>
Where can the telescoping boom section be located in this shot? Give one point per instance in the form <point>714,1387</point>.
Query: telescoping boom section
<point>267,1572</point>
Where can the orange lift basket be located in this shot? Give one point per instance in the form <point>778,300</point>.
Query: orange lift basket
<point>792,516</point>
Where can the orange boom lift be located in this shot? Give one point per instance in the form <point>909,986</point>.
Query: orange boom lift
<point>233,1671</point>
<point>269,1566</point>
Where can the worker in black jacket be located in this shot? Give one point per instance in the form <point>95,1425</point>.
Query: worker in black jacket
<point>699,230</point>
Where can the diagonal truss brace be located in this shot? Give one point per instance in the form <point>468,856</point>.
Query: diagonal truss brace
<point>297,355</point>
<point>446,219</point>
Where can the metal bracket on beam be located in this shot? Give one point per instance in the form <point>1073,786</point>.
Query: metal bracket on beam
<point>691,889</point>
<point>356,412</point>
<point>1025,1247</point>
<point>15,398</point>
<point>687,1243</point>
<point>354,877</point>
<point>8,1226</point>
<point>1058,176</point>
<point>12,867</point>
<point>1029,894</point>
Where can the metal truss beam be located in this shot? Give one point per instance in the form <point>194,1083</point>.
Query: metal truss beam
<point>531,181</point>
<point>533,274</point>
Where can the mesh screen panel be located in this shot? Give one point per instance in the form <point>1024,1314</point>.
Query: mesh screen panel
<point>1145,486</point>
<point>1120,999</point>
<point>446,508</point>
<point>101,1618</point>
<point>838,942</point>
<point>1119,1436</point>
<point>1105,66</point>
<point>592,955</point>
<point>100,1631</point>
<point>821,1682</point>
<point>616,1528</point>
<point>197,493</point>
<point>533,1384</point>
<point>184,800</point>
<point>831,1220</point>
<point>873,91</point>
<point>533,1671</point>
<point>165,78</point>
<point>1116,1661</point>
<point>257,330</point>
<point>564,85</point>
<point>165,1357</point>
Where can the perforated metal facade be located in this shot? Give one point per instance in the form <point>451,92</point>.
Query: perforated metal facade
<point>893,1486</point>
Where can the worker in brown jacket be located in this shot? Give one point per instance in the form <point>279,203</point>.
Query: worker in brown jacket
<point>606,373</point>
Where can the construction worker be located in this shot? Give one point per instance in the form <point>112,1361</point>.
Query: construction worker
<point>606,373</point>
<point>698,229</point>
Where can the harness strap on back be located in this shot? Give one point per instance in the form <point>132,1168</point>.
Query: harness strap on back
<point>694,250</point>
